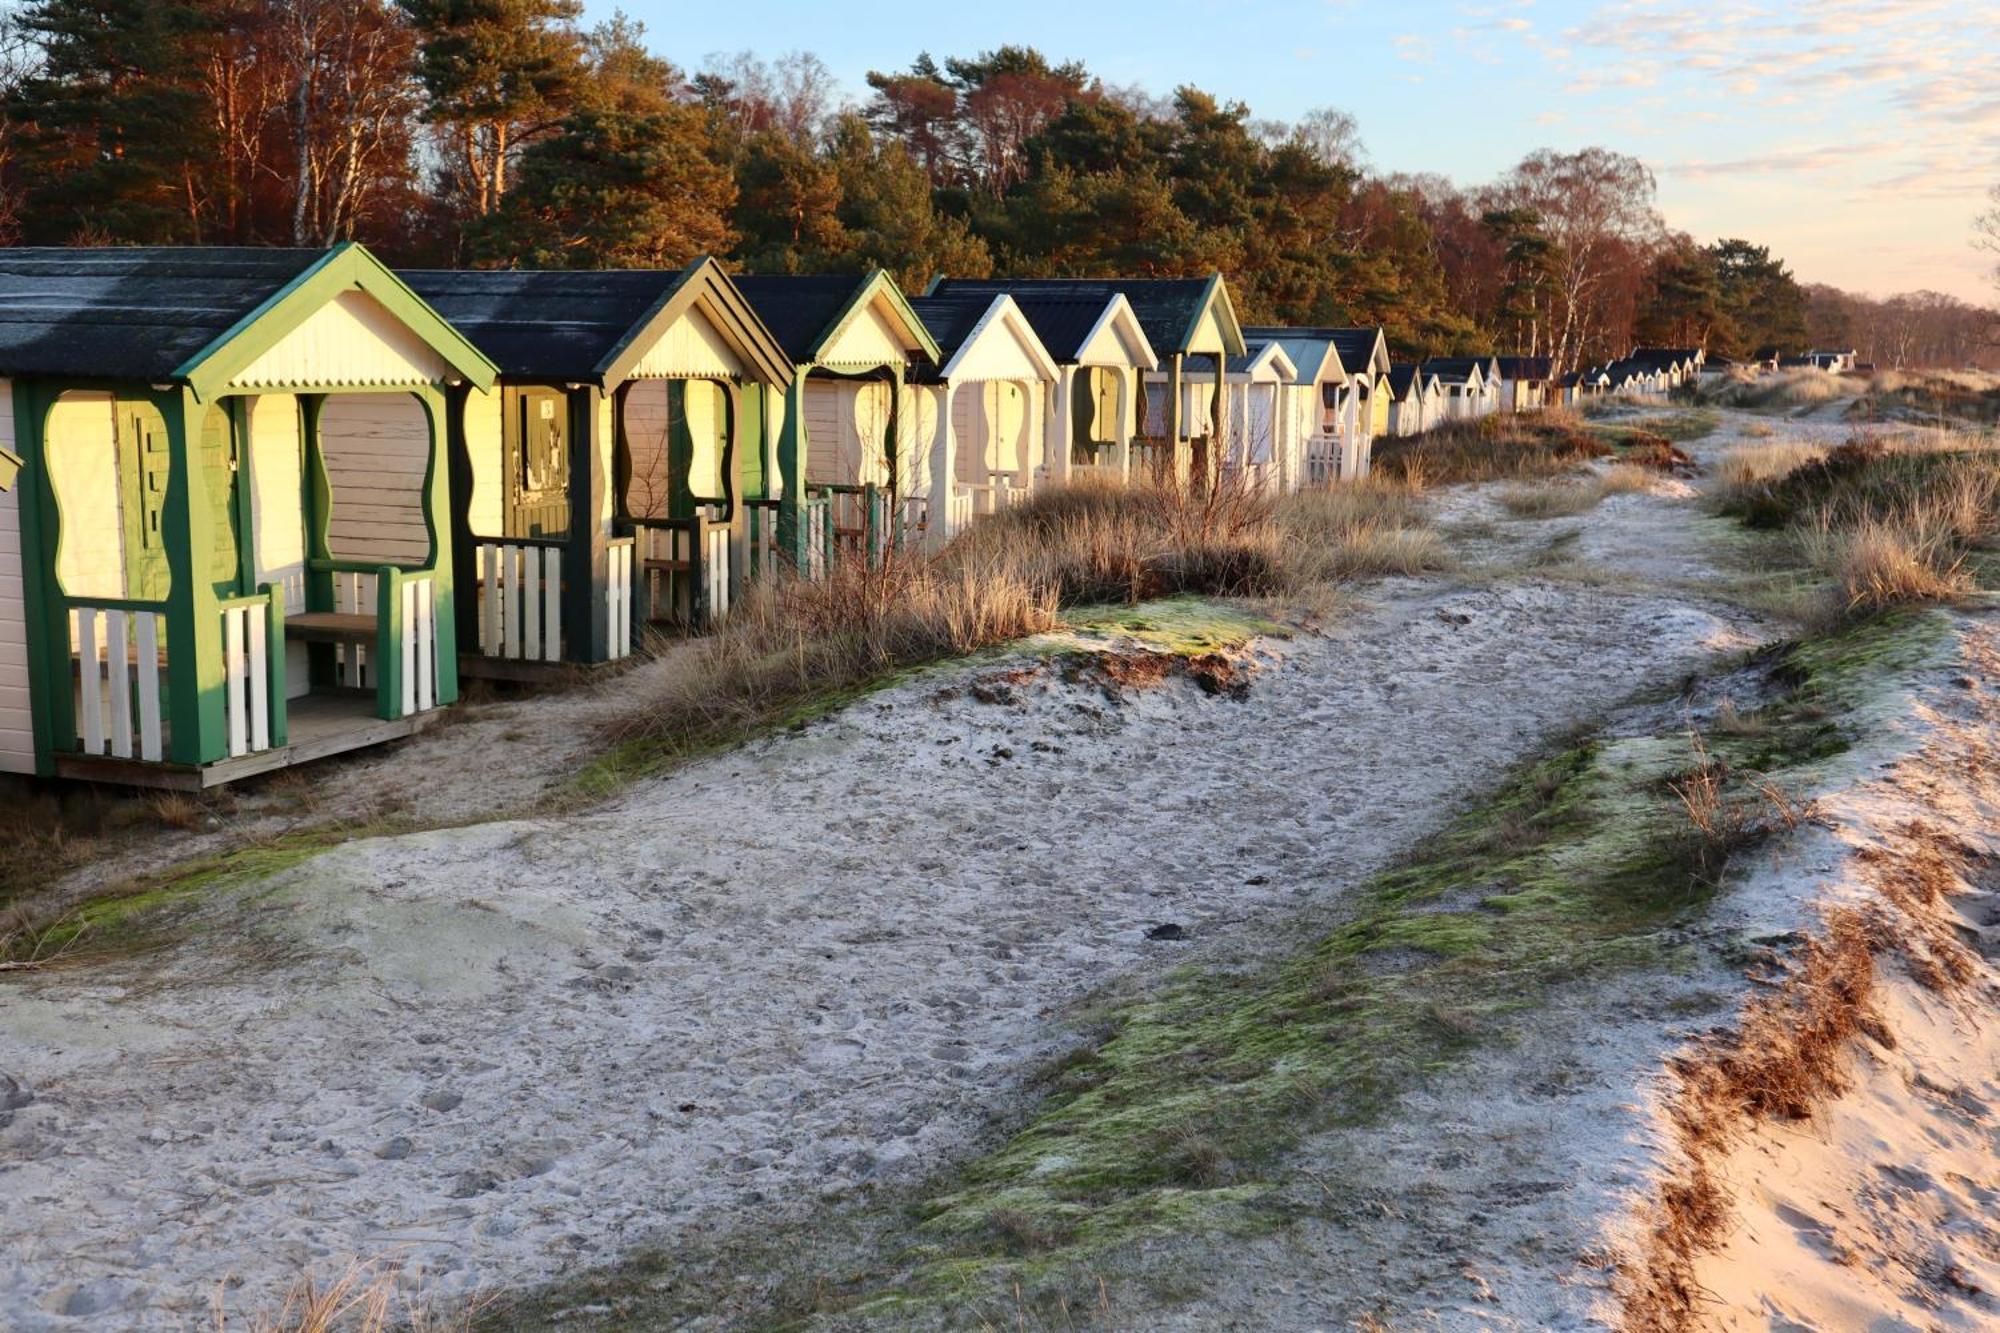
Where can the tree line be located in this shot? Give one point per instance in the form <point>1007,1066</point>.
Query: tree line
<point>503,132</point>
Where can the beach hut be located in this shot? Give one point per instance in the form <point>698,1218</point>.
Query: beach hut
<point>1102,354</point>
<point>1464,381</point>
<point>1323,383</point>
<point>620,472</point>
<point>1416,399</point>
<point>228,547</point>
<point>1191,326</point>
<point>1263,445</point>
<point>983,411</point>
<point>844,446</point>
<point>1524,383</point>
<point>1365,353</point>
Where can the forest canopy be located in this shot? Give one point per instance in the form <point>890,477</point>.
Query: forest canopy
<point>504,132</point>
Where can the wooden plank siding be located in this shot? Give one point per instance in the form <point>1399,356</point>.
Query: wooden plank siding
<point>377,449</point>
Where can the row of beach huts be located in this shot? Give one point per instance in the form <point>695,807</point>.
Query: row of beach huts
<point>260,506</point>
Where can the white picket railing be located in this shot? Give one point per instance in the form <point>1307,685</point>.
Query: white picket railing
<point>246,675</point>
<point>118,677</point>
<point>715,571</point>
<point>419,643</point>
<point>817,520</point>
<point>618,595</point>
<point>520,605</point>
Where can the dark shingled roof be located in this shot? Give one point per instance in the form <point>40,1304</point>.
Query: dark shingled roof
<point>546,324</point>
<point>137,313</point>
<point>951,318</point>
<point>1166,307</point>
<point>798,308</point>
<point>1062,322</point>
<point>1526,367</point>
<point>1663,356</point>
<point>1402,375</point>
<point>1457,367</point>
<point>1355,346</point>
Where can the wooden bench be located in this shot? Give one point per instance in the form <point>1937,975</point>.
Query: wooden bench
<point>331,627</point>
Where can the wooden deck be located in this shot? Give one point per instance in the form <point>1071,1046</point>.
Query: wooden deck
<point>319,725</point>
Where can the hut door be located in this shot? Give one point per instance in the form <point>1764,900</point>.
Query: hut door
<point>537,464</point>
<point>142,495</point>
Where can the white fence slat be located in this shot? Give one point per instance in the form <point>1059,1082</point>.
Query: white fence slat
<point>426,649</point>
<point>552,605</point>
<point>118,693</point>
<point>531,603</point>
<point>259,682</point>
<point>92,679</point>
<point>232,678</point>
<point>489,605</point>
<point>510,601</point>
<point>149,685</point>
<point>409,614</point>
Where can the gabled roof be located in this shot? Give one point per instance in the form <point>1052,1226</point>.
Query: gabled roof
<point>1314,353</point>
<point>594,325</point>
<point>1526,367</point>
<point>806,312</point>
<point>1069,325</point>
<point>1458,367</point>
<point>191,315</point>
<point>1668,356</point>
<point>1362,350</point>
<point>1265,354</point>
<point>1170,310</point>
<point>958,322</point>
<point>1406,377</point>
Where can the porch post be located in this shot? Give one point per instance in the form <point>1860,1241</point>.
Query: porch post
<point>1131,384</point>
<point>195,706</point>
<point>944,471</point>
<point>1059,445</point>
<point>791,470</point>
<point>437,512</point>
<point>464,550</point>
<point>47,623</point>
<point>1176,450</point>
<point>1218,430</point>
<point>586,617</point>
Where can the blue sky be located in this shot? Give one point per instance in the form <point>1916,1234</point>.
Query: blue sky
<point>1856,137</point>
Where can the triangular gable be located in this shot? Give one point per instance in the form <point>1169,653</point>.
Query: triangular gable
<point>1001,346</point>
<point>875,327</point>
<point>1117,339</point>
<point>351,340</point>
<point>1269,365</point>
<point>1215,327</point>
<point>689,347</point>
<point>391,332</point>
<point>729,320</point>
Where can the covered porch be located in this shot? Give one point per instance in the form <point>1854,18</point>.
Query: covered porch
<point>233,533</point>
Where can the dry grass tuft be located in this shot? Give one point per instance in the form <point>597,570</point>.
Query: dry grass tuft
<point>1753,464</point>
<point>359,1299</point>
<point>1779,391</point>
<point>1721,821</point>
<point>792,644</point>
<point>1894,560</point>
<point>1502,447</point>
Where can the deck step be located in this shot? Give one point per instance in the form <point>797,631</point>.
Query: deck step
<point>330,627</point>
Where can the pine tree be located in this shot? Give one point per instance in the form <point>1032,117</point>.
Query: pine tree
<point>498,75</point>
<point>117,139</point>
<point>613,189</point>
